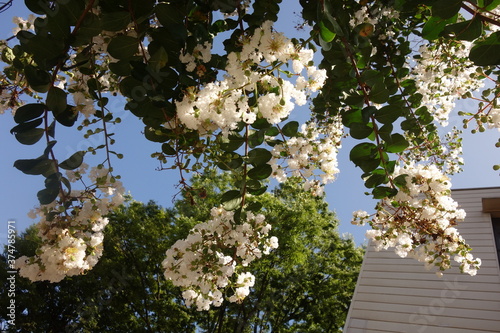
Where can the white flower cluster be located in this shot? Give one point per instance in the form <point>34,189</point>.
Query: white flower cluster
<point>204,263</point>
<point>72,242</point>
<point>443,73</point>
<point>254,71</point>
<point>201,54</point>
<point>23,24</point>
<point>315,148</point>
<point>494,118</point>
<point>420,221</point>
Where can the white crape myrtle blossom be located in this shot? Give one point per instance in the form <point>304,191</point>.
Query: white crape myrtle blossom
<point>211,259</point>
<point>419,221</point>
<point>255,71</point>
<point>72,239</point>
<point>443,73</point>
<point>310,155</point>
<point>201,54</point>
<point>23,24</point>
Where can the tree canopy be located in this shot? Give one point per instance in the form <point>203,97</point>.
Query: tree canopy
<point>312,270</point>
<point>216,86</point>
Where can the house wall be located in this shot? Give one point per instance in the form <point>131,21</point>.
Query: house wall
<point>398,295</point>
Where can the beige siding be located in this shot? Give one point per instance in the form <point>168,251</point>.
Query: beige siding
<point>397,295</point>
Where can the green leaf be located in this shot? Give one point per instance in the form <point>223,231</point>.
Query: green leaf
<point>120,68</point>
<point>377,178</point>
<point>47,195</point>
<point>372,77</point>
<point>290,129</point>
<point>446,8</point>
<point>27,126</point>
<point>486,52</point>
<point>360,131</point>
<point>259,156</point>
<point>49,147</point>
<point>261,123</point>
<point>73,162</point>
<point>326,34</point>
<point>385,132</point>
<point>400,181</point>
<point>38,79</point>
<point>123,47</point>
<point>90,27</point>
<point>397,144</point>
<point>30,137</point>
<point>256,139</point>
<point>115,21</point>
<point>232,143</point>
<point>168,149</point>
<point>467,30</point>
<point>388,114</point>
<point>28,112</point>
<point>382,192</point>
<point>488,4</point>
<point>435,25</point>
<point>68,117</point>
<point>230,162</point>
<point>255,187</point>
<point>170,13</point>
<point>56,100</point>
<point>35,6</point>
<point>352,116</point>
<point>231,200</point>
<point>365,156</point>
<point>38,166</point>
<point>379,94</point>
<point>260,172</point>
<point>158,59</point>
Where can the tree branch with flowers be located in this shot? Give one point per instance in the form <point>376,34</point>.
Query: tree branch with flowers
<point>389,75</point>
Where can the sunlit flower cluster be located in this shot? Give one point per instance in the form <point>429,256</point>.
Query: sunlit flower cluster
<point>314,148</point>
<point>255,71</point>
<point>211,259</point>
<point>419,221</point>
<point>72,239</point>
<point>443,74</point>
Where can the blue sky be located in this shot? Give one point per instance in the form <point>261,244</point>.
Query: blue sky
<point>138,169</point>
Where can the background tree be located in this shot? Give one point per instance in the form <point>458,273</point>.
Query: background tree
<point>313,269</point>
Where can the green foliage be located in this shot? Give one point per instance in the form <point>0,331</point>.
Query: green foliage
<point>312,269</point>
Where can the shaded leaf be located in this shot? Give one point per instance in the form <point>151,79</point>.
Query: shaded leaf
<point>259,156</point>
<point>47,195</point>
<point>30,137</point>
<point>290,129</point>
<point>231,200</point>
<point>381,192</point>
<point>260,172</point>
<point>28,112</point>
<point>73,162</point>
<point>123,47</point>
<point>56,100</point>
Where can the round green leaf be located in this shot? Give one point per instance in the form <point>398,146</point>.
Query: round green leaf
<point>360,131</point>
<point>73,162</point>
<point>39,80</point>
<point>56,100</point>
<point>123,47</point>
<point>231,200</point>
<point>260,172</point>
<point>29,112</point>
<point>290,129</point>
<point>30,137</point>
<point>259,156</point>
<point>47,195</point>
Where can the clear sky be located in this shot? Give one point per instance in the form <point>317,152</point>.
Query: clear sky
<point>138,169</point>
